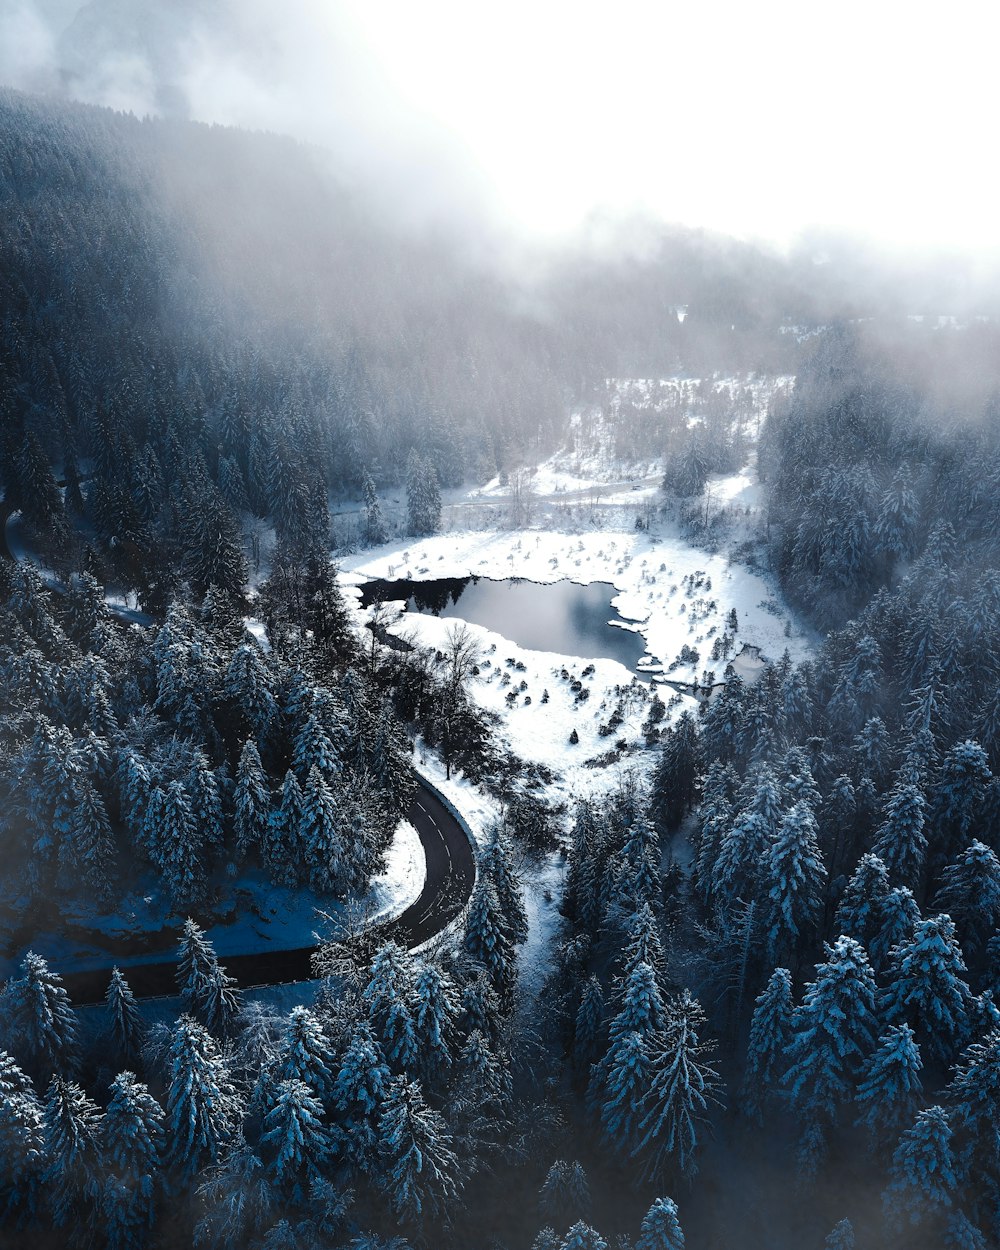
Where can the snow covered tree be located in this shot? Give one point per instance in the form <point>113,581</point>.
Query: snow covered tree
<point>358,1093</point>
<point>126,1021</point>
<point>284,848</point>
<point>922,1176</point>
<point>376,531</point>
<point>619,1086</point>
<point>901,840</point>
<point>305,1055</point>
<point>93,845</point>
<point>900,914</point>
<point>970,894</point>
<point>197,965</point>
<point>423,495</point>
<point>770,1036</point>
<point>745,845</point>
<point>961,1234</point>
<point>834,1032</point>
<point>221,1003</point>
<point>238,1200</point>
<point>175,842</point>
<point>132,1145</point>
<point>958,795</point>
<point>642,1008</point>
<point>22,1146</point>
<point>434,1015</point>
<point>247,685</point>
<point>202,1107</point>
<point>860,910</point>
<point>661,1227</point>
<point>487,938</point>
<point>295,1138</point>
<point>683,1087</point>
<point>582,1237</point>
<point>565,1192</point>
<point>890,1085</point>
<point>251,802</point>
<point>321,837</point>
<point>794,876</point>
<point>314,748</point>
<point>421,1175</point>
<point>842,1237</point>
<point>974,1098</point>
<point>72,1150</point>
<point>588,1027</point>
<point>496,863</point>
<point>928,988</point>
<point>41,1023</point>
<point>389,999</point>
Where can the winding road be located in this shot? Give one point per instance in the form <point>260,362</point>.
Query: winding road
<point>451,874</point>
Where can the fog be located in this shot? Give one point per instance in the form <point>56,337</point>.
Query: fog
<point>763,121</point>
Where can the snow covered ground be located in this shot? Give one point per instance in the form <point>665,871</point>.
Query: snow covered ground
<point>672,593</point>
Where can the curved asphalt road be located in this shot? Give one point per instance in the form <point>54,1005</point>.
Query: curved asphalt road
<point>451,874</point>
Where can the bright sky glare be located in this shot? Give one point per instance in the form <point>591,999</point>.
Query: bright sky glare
<point>756,118</point>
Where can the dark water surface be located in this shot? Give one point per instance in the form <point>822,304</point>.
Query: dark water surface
<point>560,616</point>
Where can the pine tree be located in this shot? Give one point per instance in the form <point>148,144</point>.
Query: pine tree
<point>770,1036</point>
<point>496,863</point>
<point>745,846</point>
<point>588,1031</point>
<point>359,1092</point>
<point>126,1021</point>
<point>683,1087</point>
<point>251,802</point>
<point>890,1084</point>
<point>565,1192</point>
<point>962,1234</point>
<point>487,939</point>
<point>423,496</point>
<point>661,1227</point>
<point>132,1146</point>
<point>421,1174</point>
<point>175,842</point>
<point>40,1019</point>
<point>434,1019</point>
<point>860,910</point>
<point>285,852</point>
<point>295,1138</point>
<point>582,1237</point>
<point>970,894</point>
<point>93,846</point>
<point>901,841</point>
<point>305,1055</point>
<point>842,1237</point>
<point>196,967</point>
<point>794,875</point>
<point>974,1096</point>
<point>72,1150</point>
<point>22,1146</point>
<point>247,684</point>
<point>202,1108</point>
<point>619,1085</point>
<point>389,999</point>
<point>959,793</point>
<point>900,915</point>
<point>221,1003</point>
<point>237,1198</point>
<point>376,532</point>
<point>928,989</point>
<point>833,1031</point>
<point>922,1177</point>
<point>321,836</point>
<point>483,1075</point>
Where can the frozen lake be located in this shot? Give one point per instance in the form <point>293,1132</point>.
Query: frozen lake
<point>564,617</point>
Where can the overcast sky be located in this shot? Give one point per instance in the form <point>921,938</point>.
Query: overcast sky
<point>759,119</point>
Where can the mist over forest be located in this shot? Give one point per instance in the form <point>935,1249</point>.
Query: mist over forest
<point>330,918</point>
